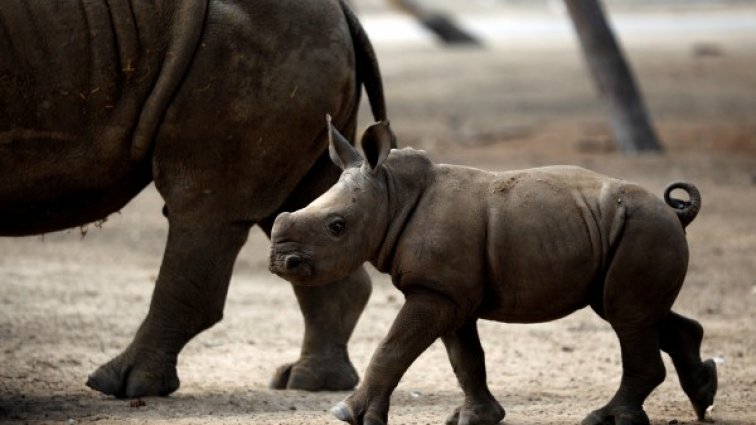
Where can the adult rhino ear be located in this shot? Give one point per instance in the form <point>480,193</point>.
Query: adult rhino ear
<point>377,142</point>
<point>342,153</point>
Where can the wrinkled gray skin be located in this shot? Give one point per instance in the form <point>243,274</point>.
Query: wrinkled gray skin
<point>519,246</point>
<point>221,104</point>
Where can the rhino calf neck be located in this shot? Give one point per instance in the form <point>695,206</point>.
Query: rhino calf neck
<point>518,246</point>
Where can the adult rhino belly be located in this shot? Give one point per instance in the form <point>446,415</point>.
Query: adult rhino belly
<point>73,79</point>
<point>250,114</point>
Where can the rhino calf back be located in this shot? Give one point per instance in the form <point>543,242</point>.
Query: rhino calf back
<point>563,230</point>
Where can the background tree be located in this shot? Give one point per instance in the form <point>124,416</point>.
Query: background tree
<point>440,24</point>
<point>629,118</point>
<point>630,121</point>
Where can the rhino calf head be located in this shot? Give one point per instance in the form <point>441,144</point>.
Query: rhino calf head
<point>344,227</point>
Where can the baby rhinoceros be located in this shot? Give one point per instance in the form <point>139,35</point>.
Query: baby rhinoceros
<point>518,246</point>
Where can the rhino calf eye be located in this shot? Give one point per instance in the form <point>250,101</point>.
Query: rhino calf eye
<point>336,226</point>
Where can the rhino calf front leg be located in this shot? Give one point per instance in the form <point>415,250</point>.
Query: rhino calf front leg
<point>330,314</point>
<point>188,298</point>
<point>423,319</point>
<point>468,361</point>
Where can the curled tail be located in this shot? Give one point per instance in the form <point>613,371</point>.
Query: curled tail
<point>686,210</point>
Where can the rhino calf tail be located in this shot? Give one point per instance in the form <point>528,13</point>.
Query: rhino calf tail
<point>686,210</point>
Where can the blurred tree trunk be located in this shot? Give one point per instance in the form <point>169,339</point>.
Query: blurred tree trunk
<point>631,123</point>
<point>440,24</point>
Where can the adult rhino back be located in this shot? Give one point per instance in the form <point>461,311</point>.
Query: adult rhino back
<point>221,104</point>
<point>83,86</point>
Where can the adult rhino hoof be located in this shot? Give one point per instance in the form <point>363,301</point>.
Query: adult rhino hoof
<point>488,412</point>
<point>316,375</point>
<point>617,416</point>
<point>126,378</point>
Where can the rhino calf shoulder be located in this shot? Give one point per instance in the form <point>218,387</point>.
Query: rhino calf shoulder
<point>518,246</point>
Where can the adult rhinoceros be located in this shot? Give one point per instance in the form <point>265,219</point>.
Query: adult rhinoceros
<point>220,103</point>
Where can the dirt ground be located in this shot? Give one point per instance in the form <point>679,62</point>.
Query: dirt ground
<point>70,302</point>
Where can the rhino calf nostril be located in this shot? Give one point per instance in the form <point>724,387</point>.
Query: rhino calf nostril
<point>293,261</point>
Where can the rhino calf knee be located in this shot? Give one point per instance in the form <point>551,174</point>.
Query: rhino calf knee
<point>519,246</point>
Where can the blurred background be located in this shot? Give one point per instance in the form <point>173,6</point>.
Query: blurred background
<point>528,80</point>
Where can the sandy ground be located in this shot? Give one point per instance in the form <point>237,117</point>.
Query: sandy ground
<point>69,303</point>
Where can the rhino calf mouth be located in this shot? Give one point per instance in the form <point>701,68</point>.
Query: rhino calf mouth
<point>289,265</point>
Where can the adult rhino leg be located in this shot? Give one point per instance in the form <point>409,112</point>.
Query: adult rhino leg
<point>330,311</point>
<point>188,298</point>
<point>681,339</point>
<point>468,361</point>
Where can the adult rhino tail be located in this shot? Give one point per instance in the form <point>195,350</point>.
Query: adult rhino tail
<point>368,71</point>
<point>686,210</point>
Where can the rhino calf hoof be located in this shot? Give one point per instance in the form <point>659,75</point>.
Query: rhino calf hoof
<point>701,392</point>
<point>123,380</point>
<point>343,413</point>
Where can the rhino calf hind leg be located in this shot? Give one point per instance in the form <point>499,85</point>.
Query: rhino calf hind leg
<point>642,371</point>
<point>642,282</point>
<point>188,298</point>
<point>468,361</point>
<point>331,313</point>
<point>681,339</point>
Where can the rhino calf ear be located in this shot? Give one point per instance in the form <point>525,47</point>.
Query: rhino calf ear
<point>342,153</point>
<point>377,142</point>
